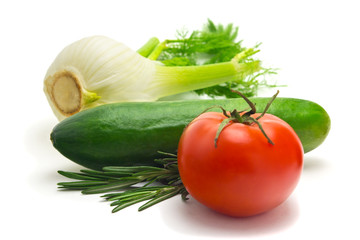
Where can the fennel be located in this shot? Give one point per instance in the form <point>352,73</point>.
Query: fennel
<point>98,70</point>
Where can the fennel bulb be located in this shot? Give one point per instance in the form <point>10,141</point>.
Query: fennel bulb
<point>98,70</point>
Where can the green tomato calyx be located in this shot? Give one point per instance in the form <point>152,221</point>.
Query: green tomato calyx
<point>244,116</point>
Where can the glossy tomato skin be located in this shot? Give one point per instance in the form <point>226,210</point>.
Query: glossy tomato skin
<point>244,175</point>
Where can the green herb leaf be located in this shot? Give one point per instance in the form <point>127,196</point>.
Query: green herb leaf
<point>216,44</point>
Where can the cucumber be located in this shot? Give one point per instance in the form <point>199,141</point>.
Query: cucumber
<point>132,133</point>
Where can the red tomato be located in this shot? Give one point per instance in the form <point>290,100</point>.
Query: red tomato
<point>244,175</point>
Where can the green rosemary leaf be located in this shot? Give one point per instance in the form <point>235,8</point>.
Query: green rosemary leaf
<point>151,181</point>
<point>157,172</point>
<point>82,184</point>
<point>134,201</point>
<point>184,194</point>
<point>104,175</point>
<point>127,199</point>
<point>175,181</point>
<point>123,196</point>
<point>168,154</point>
<point>165,161</point>
<point>173,167</point>
<point>77,176</point>
<point>134,169</point>
<point>131,192</point>
<point>117,185</point>
<point>159,198</point>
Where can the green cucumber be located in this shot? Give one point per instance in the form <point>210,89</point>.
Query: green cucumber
<point>132,133</point>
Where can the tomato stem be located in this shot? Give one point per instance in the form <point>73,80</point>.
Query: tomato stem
<point>268,105</point>
<point>251,104</point>
<point>221,127</point>
<point>217,106</point>
<point>262,130</point>
<point>237,117</point>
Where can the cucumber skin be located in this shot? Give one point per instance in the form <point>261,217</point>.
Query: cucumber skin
<point>132,133</point>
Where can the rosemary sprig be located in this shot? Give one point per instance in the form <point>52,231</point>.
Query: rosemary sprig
<point>132,182</point>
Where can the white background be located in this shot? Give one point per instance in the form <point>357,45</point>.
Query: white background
<point>315,44</point>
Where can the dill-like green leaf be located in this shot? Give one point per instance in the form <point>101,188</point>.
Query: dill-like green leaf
<point>214,44</point>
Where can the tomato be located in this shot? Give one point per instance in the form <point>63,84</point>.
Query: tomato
<point>244,174</point>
